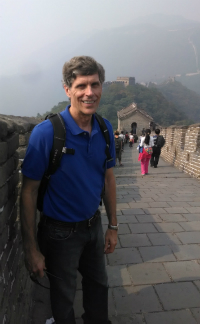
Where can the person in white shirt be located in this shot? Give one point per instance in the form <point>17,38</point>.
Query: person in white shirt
<point>122,136</point>
<point>146,143</point>
<point>131,139</point>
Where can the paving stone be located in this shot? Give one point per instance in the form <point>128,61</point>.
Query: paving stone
<point>133,197</point>
<point>134,240</point>
<point>189,237</point>
<point>132,211</point>
<point>121,191</point>
<point>176,210</point>
<point>179,204</point>
<point>159,204</point>
<point>140,205</point>
<point>186,252</point>
<point>143,199</point>
<point>157,254</point>
<point>123,206</point>
<point>130,300</point>
<point>154,210</point>
<point>124,200</point>
<point>195,204</point>
<point>184,199</point>
<point>132,319</point>
<point>163,198</point>
<point>196,314</point>
<point>168,227</point>
<point>194,209</point>
<point>178,295</point>
<point>183,270</point>
<point>127,219</point>
<point>170,317</point>
<point>124,256</point>
<point>118,276</point>
<point>197,283</point>
<point>172,217</point>
<point>118,244</point>
<point>148,218</point>
<point>163,239</point>
<point>149,194</point>
<point>192,216</point>
<point>148,273</point>
<point>190,225</point>
<point>142,228</point>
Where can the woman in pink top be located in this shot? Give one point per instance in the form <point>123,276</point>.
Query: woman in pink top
<point>146,143</point>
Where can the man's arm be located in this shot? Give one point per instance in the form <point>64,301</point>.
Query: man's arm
<point>110,205</point>
<point>34,260</point>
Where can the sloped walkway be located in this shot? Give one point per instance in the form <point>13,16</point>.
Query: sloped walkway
<point>154,273</point>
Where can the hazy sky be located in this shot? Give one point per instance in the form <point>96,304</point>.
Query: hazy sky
<point>28,25</point>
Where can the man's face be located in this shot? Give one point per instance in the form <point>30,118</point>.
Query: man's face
<point>85,94</point>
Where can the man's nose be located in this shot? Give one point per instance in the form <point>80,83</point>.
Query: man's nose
<point>89,91</point>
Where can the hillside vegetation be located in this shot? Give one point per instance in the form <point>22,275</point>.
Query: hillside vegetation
<point>116,96</point>
<point>186,100</point>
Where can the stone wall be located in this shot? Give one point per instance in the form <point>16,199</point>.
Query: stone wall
<point>182,148</point>
<point>15,285</point>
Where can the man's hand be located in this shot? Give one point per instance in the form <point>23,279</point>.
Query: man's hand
<point>35,263</point>
<point>110,241</point>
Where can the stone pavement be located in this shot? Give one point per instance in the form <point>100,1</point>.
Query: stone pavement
<point>154,273</point>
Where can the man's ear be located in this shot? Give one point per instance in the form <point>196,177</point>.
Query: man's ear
<point>67,91</point>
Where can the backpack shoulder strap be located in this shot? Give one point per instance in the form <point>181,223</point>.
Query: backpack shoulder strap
<point>55,155</point>
<point>58,142</point>
<point>105,132</point>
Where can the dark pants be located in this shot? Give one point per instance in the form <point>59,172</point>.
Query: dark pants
<point>67,251</point>
<point>155,158</point>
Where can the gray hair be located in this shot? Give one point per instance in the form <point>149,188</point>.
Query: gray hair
<point>81,66</point>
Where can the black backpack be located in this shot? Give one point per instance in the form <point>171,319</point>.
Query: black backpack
<point>160,141</point>
<point>58,149</point>
<point>117,144</point>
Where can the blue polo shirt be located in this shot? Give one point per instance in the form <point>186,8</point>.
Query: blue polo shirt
<point>74,191</point>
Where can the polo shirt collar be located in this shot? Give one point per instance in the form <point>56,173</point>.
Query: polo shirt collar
<point>74,128</point>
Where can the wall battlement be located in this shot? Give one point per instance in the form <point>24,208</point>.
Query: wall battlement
<point>182,148</point>
<point>15,284</point>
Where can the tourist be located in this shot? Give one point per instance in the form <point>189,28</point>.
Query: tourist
<point>145,151</point>
<point>118,148</point>
<point>159,142</point>
<point>131,140</point>
<point>70,233</point>
<point>126,137</point>
<point>122,136</point>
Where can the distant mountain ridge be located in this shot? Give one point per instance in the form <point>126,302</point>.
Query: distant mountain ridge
<point>150,49</point>
<point>186,100</point>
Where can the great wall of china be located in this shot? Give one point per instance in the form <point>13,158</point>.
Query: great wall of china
<point>182,149</point>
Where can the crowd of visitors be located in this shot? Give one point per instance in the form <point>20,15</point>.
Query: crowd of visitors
<point>149,147</point>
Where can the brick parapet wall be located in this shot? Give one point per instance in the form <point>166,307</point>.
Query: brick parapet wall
<point>182,148</point>
<point>15,285</point>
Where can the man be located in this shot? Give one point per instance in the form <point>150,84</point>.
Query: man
<point>118,149</point>
<point>70,232</point>
<point>159,142</point>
